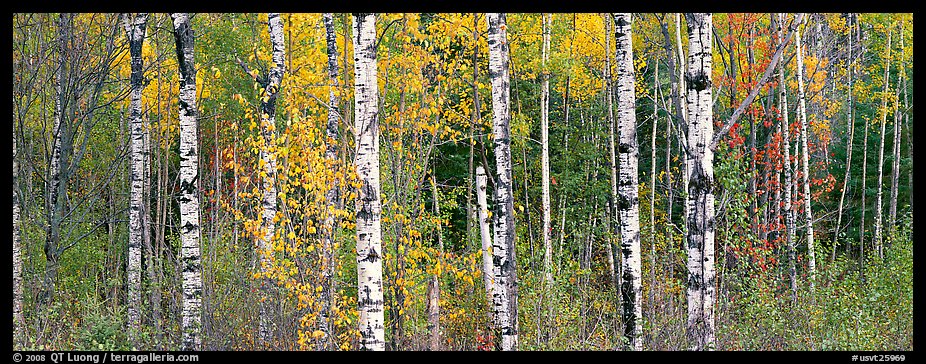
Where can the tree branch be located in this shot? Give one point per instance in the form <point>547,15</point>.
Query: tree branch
<point>755,90</point>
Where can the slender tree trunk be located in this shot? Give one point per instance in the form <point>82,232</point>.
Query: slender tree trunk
<point>776,220</point>
<point>476,116</point>
<point>189,199</point>
<point>876,241</point>
<point>19,322</point>
<point>861,241</point>
<point>682,90</point>
<point>851,121</point>
<point>892,221</point>
<point>151,254</point>
<point>700,195</point>
<point>787,166</point>
<point>55,184</point>
<point>628,201</point>
<point>802,112</point>
<point>268,180</point>
<point>326,342</point>
<point>892,217</point>
<point>488,270</point>
<point>135,29</point>
<point>675,62</point>
<point>753,171</point>
<point>434,283</point>
<point>503,250</point>
<point>545,155</point>
<point>652,194</point>
<point>369,229</point>
<point>612,212</point>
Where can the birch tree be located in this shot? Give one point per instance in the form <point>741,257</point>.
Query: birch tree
<point>700,168</point>
<point>785,126</point>
<point>802,113</point>
<point>876,241</point>
<point>270,87</point>
<point>331,196</point>
<point>628,201</point>
<point>545,154</point>
<point>897,134</point>
<point>434,282</point>
<point>135,28</point>
<point>54,181</point>
<point>369,209</point>
<point>851,119</point>
<point>612,206</point>
<point>19,321</point>
<point>188,199</point>
<point>505,290</point>
<point>488,269</point>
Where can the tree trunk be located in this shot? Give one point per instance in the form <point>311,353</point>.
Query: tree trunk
<point>151,254</point>
<point>753,171</point>
<point>434,282</point>
<point>700,237</point>
<point>55,184</point>
<point>628,201</point>
<point>802,112</point>
<point>488,271</point>
<point>369,229</point>
<point>876,241</point>
<point>476,116</point>
<point>786,165</point>
<point>326,342</point>
<point>503,251</point>
<point>861,240</point>
<point>652,193</point>
<point>135,29</point>
<point>892,221</point>
<point>19,322</point>
<point>268,176</point>
<point>851,120</point>
<point>545,156</point>
<point>682,90</point>
<point>189,199</point>
<point>612,212</point>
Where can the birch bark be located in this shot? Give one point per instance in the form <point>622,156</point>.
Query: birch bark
<point>191,266</point>
<point>369,209</point>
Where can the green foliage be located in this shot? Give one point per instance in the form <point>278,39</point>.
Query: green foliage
<point>873,311</point>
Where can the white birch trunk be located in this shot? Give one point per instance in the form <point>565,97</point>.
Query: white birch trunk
<point>505,292</point>
<point>434,283</point>
<point>849,115</point>
<point>802,112</point>
<point>652,195</point>
<point>331,196</point>
<point>268,180</point>
<point>545,156</point>
<point>683,132</point>
<point>135,28</point>
<point>700,194</point>
<point>369,229</point>
<point>488,269</point>
<point>892,222</point>
<point>878,203</point>
<point>612,211</point>
<point>54,186</point>
<point>786,165</point>
<point>19,321</point>
<point>628,201</point>
<point>191,266</point>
